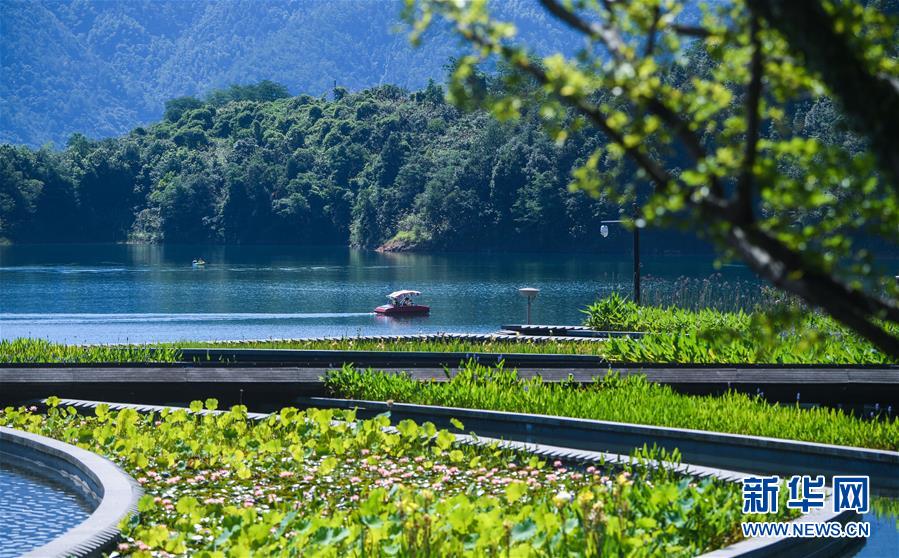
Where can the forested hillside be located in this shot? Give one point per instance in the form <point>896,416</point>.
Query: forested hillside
<point>102,67</point>
<point>251,164</point>
<point>359,168</point>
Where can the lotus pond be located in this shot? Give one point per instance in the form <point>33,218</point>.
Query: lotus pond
<point>322,483</point>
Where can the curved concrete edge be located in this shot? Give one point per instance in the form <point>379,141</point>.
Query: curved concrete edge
<point>117,492</point>
<point>716,449</point>
<point>794,547</point>
<point>749,548</point>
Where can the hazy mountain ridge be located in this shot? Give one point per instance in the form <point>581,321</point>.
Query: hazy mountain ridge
<point>101,68</point>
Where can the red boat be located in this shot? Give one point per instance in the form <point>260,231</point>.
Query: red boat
<point>401,305</point>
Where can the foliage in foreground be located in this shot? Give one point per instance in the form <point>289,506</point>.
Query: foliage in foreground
<point>321,483</point>
<point>632,400</point>
<point>717,154</point>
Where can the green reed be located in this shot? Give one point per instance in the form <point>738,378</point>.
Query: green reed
<point>35,351</point>
<point>632,400</point>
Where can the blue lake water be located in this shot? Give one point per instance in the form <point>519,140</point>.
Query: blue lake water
<point>117,293</point>
<point>33,510</point>
<point>884,539</point>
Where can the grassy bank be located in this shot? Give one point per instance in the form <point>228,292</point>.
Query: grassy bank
<point>631,400</point>
<point>320,483</point>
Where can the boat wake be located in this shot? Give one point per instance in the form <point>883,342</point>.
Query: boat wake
<point>48,319</point>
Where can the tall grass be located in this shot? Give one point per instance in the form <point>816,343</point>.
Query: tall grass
<point>39,351</point>
<point>632,400</point>
<point>713,292</point>
<point>784,333</point>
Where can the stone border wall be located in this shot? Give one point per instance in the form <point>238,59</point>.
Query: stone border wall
<point>110,491</point>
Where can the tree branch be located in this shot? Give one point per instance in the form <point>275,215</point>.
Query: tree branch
<point>743,194</point>
<point>598,32</point>
<point>690,31</point>
<point>653,29</point>
<point>784,268</point>
<point>870,100</point>
<point>605,34</point>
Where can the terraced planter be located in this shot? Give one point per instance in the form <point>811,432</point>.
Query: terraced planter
<point>311,503</point>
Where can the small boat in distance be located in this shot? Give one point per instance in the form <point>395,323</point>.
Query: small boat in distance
<point>199,263</point>
<point>401,305</point>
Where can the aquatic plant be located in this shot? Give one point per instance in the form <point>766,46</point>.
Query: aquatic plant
<point>686,346</point>
<point>631,399</point>
<point>783,334</point>
<point>714,291</point>
<point>322,483</point>
<point>27,350</point>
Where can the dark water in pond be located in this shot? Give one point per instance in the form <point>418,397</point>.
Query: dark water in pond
<point>116,293</point>
<point>33,511</point>
<point>884,539</point>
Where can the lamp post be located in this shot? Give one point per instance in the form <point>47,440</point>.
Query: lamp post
<point>604,231</point>
<point>531,294</point>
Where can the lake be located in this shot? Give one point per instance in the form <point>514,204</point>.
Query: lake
<point>140,293</point>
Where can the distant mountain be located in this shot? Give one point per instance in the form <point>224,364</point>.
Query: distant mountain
<point>104,67</point>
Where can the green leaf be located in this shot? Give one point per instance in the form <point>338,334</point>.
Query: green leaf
<point>515,490</point>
